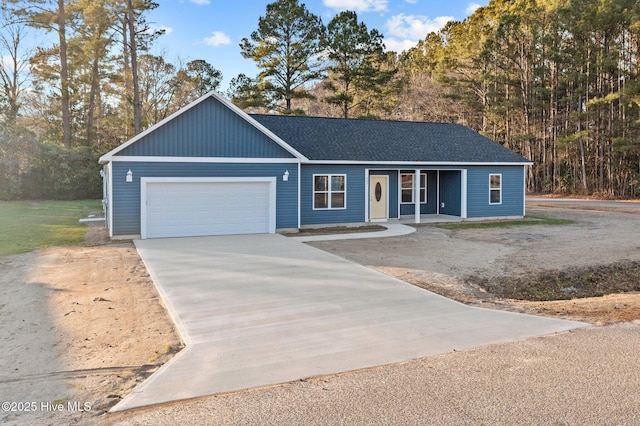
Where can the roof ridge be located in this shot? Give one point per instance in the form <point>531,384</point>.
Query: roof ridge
<point>360,119</point>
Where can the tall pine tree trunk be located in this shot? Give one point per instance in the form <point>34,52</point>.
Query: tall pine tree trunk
<point>64,77</point>
<point>133,51</point>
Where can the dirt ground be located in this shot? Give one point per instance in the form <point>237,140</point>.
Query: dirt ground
<point>81,326</point>
<point>448,262</point>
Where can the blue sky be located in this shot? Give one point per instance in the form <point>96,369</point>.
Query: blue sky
<point>212,29</point>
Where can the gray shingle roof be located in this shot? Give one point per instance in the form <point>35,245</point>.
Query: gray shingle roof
<point>337,139</point>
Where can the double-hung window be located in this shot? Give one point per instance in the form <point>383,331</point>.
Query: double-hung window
<point>495,189</point>
<point>329,191</point>
<point>406,188</point>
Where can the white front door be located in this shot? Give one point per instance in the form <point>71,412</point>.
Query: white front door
<point>378,198</point>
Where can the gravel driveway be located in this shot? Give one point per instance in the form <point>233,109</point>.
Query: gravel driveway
<point>594,238</point>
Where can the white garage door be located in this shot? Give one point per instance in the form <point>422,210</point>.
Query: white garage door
<point>198,207</point>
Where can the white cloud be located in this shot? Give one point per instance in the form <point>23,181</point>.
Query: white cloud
<point>218,38</point>
<point>398,46</point>
<point>472,7</point>
<point>357,5</point>
<point>404,31</point>
<point>200,2</point>
<point>415,27</point>
<point>412,1</point>
<point>152,29</point>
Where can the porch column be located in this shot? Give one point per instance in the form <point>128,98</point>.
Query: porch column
<point>416,194</point>
<point>463,195</point>
<point>367,197</point>
<point>438,192</point>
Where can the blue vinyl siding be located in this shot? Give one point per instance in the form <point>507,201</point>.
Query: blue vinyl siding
<point>209,129</point>
<point>126,196</point>
<point>355,194</point>
<point>512,191</point>
<point>450,192</point>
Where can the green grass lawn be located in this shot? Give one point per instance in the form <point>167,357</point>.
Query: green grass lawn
<point>30,225</point>
<point>527,221</point>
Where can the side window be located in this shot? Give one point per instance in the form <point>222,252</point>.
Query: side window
<point>406,188</point>
<point>495,189</point>
<point>329,191</point>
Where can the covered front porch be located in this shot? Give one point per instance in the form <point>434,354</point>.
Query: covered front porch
<point>417,195</point>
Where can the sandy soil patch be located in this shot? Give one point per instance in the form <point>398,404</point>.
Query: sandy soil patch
<point>81,326</point>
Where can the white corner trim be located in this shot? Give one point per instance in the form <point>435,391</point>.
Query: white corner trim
<point>110,198</point>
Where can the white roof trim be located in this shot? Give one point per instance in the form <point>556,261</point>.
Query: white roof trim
<point>109,156</point>
<point>158,159</point>
<point>418,163</point>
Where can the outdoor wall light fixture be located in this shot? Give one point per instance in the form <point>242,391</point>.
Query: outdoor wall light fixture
<point>129,176</point>
<point>285,176</point>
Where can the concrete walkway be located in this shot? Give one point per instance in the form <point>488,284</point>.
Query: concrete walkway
<point>393,230</point>
<point>257,310</point>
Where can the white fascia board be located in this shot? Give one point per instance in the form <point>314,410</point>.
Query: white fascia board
<point>158,159</point>
<point>414,163</point>
<point>110,155</point>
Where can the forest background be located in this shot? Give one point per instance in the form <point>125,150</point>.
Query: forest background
<point>555,80</point>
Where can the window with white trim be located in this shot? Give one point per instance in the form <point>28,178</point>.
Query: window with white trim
<point>406,188</point>
<point>495,189</point>
<point>329,191</point>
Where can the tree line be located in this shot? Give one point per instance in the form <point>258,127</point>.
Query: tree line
<point>555,81</point>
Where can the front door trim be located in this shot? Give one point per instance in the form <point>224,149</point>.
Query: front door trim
<point>382,182</point>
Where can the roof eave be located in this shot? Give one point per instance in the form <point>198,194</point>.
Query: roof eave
<point>422,163</point>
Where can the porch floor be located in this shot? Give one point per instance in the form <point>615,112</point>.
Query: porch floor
<point>428,218</point>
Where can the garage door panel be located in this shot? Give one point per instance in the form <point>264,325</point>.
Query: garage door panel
<point>175,209</point>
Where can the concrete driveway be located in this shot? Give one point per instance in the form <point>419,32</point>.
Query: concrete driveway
<point>258,310</point>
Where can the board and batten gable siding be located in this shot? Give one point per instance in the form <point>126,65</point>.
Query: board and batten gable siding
<point>126,196</point>
<point>512,191</point>
<point>209,129</point>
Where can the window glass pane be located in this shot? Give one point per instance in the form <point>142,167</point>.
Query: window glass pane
<point>494,181</point>
<point>423,195</point>
<point>423,188</point>
<point>407,196</point>
<point>320,201</point>
<point>423,181</point>
<point>337,200</point>
<point>321,183</point>
<point>495,196</point>
<point>407,181</point>
<point>337,183</point>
